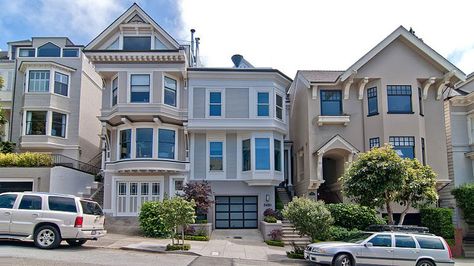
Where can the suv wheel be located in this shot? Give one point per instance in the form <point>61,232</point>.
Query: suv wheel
<point>425,263</point>
<point>343,260</point>
<point>47,237</point>
<point>76,242</point>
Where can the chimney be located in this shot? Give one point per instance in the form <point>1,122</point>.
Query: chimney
<point>192,47</point>
<point>240,62</point>
<point>197,51</point>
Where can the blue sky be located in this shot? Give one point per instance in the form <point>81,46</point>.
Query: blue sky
<point>284,34</point>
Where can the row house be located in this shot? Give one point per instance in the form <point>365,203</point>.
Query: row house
<point>393,94</point>
<point>7,73</point>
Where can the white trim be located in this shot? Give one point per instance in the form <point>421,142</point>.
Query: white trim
<point>68,84</point>
<point>172,187</point>
<point>254,103</point>
<point>116,76</point>
<point>283,109</point>
<point>216,137</point>
<point>129,88</point>
<point>208,103</point>
<point>178,83</point>
<point>52,71</point>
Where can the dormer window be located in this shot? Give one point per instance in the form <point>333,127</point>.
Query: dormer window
<point>134,43</point>
<point>49,50</point>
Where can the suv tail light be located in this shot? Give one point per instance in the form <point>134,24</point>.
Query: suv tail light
<point>449,249</point>
<point>78,222</point>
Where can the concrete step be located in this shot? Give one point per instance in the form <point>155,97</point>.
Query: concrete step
<point>292,235</point>
<point>468,254</point>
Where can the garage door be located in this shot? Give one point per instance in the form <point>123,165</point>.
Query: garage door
<point>15,186</point>
<point>236,212</point>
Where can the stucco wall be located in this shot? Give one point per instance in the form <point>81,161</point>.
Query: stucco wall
<point>39,176</point>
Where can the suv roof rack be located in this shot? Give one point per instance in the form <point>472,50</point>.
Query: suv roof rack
<point>399,228</point>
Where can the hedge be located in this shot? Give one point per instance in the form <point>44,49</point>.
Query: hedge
<point>464,196</point>
<point>196,238</point>
<point>277,243</point>
<point>150,222</point>
<point>337,233</point>
<point>170,247</point>
<point>27,159</point>
<point>439,221</point>
<point>353,216</point>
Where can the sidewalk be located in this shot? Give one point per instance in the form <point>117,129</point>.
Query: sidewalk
<point>241,244</point>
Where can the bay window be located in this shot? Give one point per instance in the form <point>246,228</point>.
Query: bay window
<point>263,104</point>
<point>216,160</point>
<point>246,155</point>
<point>125,143</point>
<point>277,154</point>
<point>166,143</point>
<point>262,153</point>
<point>61,83</point>
<point>36,122</point>
<point>114,91</point>
<point>58,125</point>
<point>144,142</point>
<point>279,107</point>
<point>140,88</point>
<point>170,91</point>
<point>399,99</point>
<point>38,81</point>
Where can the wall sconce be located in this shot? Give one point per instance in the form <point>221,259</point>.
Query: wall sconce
<point>267,197</point>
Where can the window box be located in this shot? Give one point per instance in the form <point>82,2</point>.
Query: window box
<point>333,120</point>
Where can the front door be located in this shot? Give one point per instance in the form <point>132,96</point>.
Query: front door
<point>236,212</point>
<point>132,194</point>
<point>380,253</point>
<point>25,216</point>
<point>7,201</point>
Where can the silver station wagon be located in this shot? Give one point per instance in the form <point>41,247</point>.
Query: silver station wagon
<point>383,248</point>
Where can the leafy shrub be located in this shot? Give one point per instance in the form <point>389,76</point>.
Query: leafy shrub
<point>277,243</point>
<point>276,234</point>
<point>309,217</point>
<point>171,247</point>
<point>201,222</point>
<point>353,216</point>
<point>7,147</point>
<point>196,238</point>
<point>27,159</point>
<point>270,219</point>
<point>274,213</point>
<point>150,222</point>
<point>464,196</point>
<point>337,233</point>
<point>201,193</point>
<point>439,221</point>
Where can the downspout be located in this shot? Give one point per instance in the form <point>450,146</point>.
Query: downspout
<point>10,129</point>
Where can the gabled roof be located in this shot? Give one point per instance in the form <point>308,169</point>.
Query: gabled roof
<point>321,76</point>
<point>121,19</point>
<point>416,42</point>
<point>336,142</point>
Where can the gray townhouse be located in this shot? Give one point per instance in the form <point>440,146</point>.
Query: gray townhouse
<point>143,113</point>
<point>7,72</point>
<point>393,94</point>
<point>237,126</point>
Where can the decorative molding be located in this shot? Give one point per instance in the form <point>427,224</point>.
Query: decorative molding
<point>333,120</point>
<point>446,80</point>
<point>157,121</point>
<point>426,85</point>
<point>362,84</point>
<point>348,83</point>
<point>126,121</point>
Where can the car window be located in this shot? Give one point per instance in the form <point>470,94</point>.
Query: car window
<point>7,201</point>
<point>90,207</point>
<point>404,242</point>
<point>381,241</point>
<point>62,204</point>
<point>358,238</point>
<point>429,242</point>
<point>30,203</point>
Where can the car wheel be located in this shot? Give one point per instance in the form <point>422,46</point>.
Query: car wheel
<point>47,237</point>
<point>425,263</point>
<point>76,242</point>
<point>343,260</point>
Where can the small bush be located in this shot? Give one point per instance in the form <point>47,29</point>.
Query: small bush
<point>170,247</point>
<point>296,253</point>
<point>150,222</point>
<point>196,238</point>
<point>27,159</point>
<point>337,233</point>
<point>276,234</point>
<point>270,219</point>
<point>277,243</point>
<point>201,222</point>
<point>353,216</point>
<point>274,213</point>
<point>464,196</point>
<point>439,221</point>
<point>7,147</point>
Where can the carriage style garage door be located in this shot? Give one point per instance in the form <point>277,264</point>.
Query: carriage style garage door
<point>16,186</point>
<point>236,212</point>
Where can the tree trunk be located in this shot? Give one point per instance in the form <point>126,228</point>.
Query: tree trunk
<point>404,213</point>
<point>182,237</point>
<point>389,212</point>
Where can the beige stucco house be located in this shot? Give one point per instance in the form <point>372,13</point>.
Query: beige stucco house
<point>393,94</point>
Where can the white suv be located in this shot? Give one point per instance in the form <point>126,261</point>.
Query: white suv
<point>48,219</point>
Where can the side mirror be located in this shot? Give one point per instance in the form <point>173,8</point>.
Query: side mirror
<point>368,245</point>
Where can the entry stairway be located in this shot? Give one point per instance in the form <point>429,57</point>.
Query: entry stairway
<point>94,192</point>
<point>468,244</point>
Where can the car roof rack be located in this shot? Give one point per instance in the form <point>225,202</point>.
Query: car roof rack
<point>399,228</point>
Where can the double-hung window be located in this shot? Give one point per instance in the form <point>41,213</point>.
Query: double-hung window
<point>170,93</point>
<point>277,154</point>
<point>61,83</point>
<point>215,103</point>
<point>279,107</point>
<point>166,143</point>
<point>246,157</point>
<point>216,162</point>
<point>144,142</point>
<point>331,102</point>
<point>374,142</point>
<point>373,108</point>
<point>263,104</point>
<point>262,154</point>
<point>399,99</point>
<point>38,81</point>
<point>404,146</point>
<point>125,143</point>
<point>36,122</point>
<point>114,91</point>
<point>58,125</point>
<point>140,88</point>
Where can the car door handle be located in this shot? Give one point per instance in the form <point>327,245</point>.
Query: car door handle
<point>35,215</point>
<point>7,213</point>
<point>389,250</point>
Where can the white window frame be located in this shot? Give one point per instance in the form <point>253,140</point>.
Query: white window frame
<point>26,48</point>
<point>134,144</point>
<point>216,174</point>
<point>51,70</point>
<point>282,107</point>
<point>271,99</point>
<point>168,75</point>
<point>51,124</point>
<point>122,35</point>
<point>116,76</point>
<point>60,51</point>
<point>129,87</point>
<point>176,140</point>
<point>68,83</point>
<point>172,188</point>
<point>208,103</point>
<point>470,128</point>
<point>49,120</point>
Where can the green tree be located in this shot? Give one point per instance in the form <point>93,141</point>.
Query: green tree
<point>375,178</point>
<point>2,82</point>
<point>176,213</point>
<point>419,187</point>
<point>309,217</point>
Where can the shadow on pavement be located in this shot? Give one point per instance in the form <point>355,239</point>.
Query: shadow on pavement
<point>29,244</point>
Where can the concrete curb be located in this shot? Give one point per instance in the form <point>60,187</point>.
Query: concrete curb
<point>189,253</point>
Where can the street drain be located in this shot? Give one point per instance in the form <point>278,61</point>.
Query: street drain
<point>237,237</point>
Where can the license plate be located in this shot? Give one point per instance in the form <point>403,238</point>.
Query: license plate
<point>94,232</point>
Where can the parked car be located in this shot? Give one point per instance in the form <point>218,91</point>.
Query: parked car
<point>47,219</point>
<point>383,248</point>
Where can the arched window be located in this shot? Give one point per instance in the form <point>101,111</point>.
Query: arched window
<point>49,50</point>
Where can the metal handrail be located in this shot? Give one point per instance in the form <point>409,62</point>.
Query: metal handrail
<point>62,160</point>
